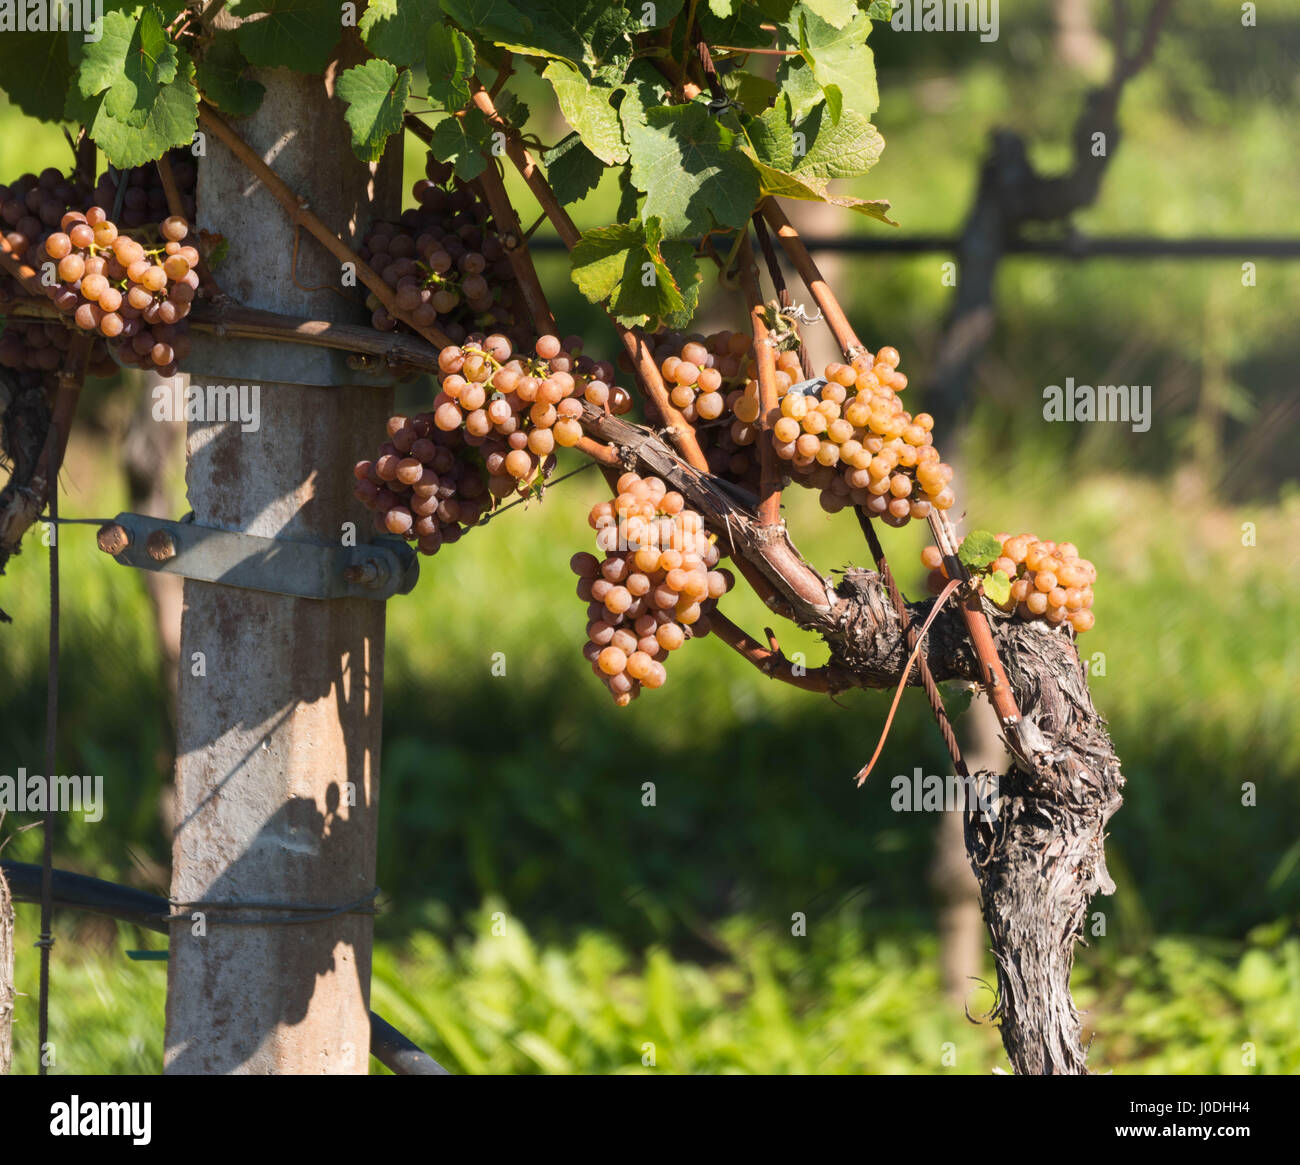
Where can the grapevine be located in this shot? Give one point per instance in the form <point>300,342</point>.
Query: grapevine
<point>678,109</point>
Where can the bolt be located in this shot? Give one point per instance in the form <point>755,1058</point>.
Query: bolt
<point>366,574</point>
<point>160,546</point>
<point>113,538</point>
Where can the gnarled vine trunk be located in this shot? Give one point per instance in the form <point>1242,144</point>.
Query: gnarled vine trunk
<point>1040,859</point>
<point>1038,852</point>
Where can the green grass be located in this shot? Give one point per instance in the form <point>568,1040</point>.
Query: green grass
<point>496,1000</point>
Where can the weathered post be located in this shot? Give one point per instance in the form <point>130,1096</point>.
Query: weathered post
<point>279,697</point>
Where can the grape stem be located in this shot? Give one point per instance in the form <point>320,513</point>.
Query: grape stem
<point>301,215</point>
<point>176,206</point>
<point>606,455</point>
<point>511,235</point>
<point>993,676</point>
<point>769,505</point>
<point>773,664</point>
<point>647,372</point>
<point>811,275</point>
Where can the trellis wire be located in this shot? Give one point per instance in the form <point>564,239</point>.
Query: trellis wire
<point>46,940</point>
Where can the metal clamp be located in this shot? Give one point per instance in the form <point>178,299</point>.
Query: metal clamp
<point>306,570</point>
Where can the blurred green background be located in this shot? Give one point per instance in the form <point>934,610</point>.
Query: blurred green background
<point>627,927</point>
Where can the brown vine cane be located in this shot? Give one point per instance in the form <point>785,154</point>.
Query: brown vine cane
<point>994,676</point>
<point>680,430</point>
<point>769,504</point>
<point>647,372</point>
<point>932,694</point>
<point>300,214</point>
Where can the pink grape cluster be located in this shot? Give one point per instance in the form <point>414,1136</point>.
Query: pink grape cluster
<point>422,486</point>
<point>654,588</point>
<point>135,296</point>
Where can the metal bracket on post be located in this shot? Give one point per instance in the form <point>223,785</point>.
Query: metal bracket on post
<point>306,570</point>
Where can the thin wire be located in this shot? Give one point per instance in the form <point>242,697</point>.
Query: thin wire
<point>316,913</point>
<point>483,522</point>
<point>46,940</point>
<point>549,485</point>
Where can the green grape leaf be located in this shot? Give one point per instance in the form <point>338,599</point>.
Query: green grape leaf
<point>397,30</point>
<point>836,13</point>
<point>449,64</point>
<point>586,107</point>
<point>572,169</point>
<point>882,10</point>
<point>796,81</point>
<point>511,110</point>
<point>598,259</point>
<point>771,136</point>
<point>35,72</point>
<point>131,61</point>
<point>594,36</point>
<point>661,13</point>
<point>169,121</point>
<point>800,162</point>
<point>722,8</point>
<point>957,696</point>
<point>297,34</point>
<point>749,90</point>
<point>779,184</point>
<point>375,94</point>
<point>99,63</point>
<point>692,169</point>
<point>462,141</point>
<point>997,586</point>
<point>629,197</point>
<point>220,75</point>
<point>740,25</point>
<point>624,263</point>
<point>847,148</point>
<point>840,59</point>
<point>642,89</point>
<point>685,270</point>
<point>978,549</point>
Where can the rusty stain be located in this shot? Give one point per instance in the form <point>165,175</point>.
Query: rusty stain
<point>113,538</point>
<point>160,546</point>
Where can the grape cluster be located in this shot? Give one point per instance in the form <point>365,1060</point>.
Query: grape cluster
<point>516,408</point>
<point>699,371</point>
<point>34,204</point>
<point>144,200</point>
<point>126,292</point>
<point>30,208</point>
<point>705,377</point>
<point>653,590</point>
<point>422,486</point>
<point>35,349</point>
<point>1048,579</point>
<point>443,260</point>
<point>849,436</point>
